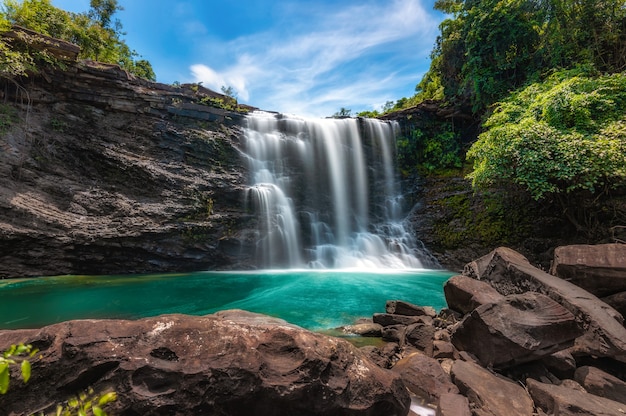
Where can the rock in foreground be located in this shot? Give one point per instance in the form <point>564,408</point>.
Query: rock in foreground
<point>230,363</point>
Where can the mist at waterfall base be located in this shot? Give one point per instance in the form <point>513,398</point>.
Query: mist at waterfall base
<point>331,242</point>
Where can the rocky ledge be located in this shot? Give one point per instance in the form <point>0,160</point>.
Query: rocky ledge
<point>514,340</point>
<point>230,363</point>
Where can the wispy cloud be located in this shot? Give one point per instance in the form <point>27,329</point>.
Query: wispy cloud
<point>356,57</point>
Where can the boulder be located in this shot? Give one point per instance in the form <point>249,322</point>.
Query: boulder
<point>400,307</point>
<point>443,349</point>
<point>421,337</point>
<point>617,302</point>
<point>509,273</point>
<point>563,401</point>
<point>488,393</point>
<point>599,269</point>
<point>364,329</point>
<point>388,319</point>
<point>562,364</point>
<point>394,333</point>
<point>597,382</point>
<point>451,404</point>
<point>424,377</point>
<point>464,294</point>
<point>234,363</point>
<point>518,329</point>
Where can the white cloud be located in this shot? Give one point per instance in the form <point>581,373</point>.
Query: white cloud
<point>354,57</point>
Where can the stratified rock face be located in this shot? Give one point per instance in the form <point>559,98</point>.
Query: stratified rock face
<point>231,363</point>
<point>518,329</point>
<point>510,273</point>
<point>102,174</point>
<point>599,269</point>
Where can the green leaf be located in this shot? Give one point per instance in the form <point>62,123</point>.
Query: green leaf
<point>25,371</point>
<point>4,377</point>
<point>97,411</point>
<point>107,398</point>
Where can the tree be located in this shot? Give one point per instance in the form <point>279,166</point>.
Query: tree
<point>343,113</point>
<point>229,91</point>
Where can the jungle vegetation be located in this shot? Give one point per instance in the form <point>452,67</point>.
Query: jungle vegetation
<point>545,80</point>
<point>96,31</point>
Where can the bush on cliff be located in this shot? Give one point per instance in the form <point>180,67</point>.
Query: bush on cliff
<point>564,136</point>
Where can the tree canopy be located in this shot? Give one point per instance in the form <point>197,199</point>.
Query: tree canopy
<point>489,48</point>
<point>97,33</point>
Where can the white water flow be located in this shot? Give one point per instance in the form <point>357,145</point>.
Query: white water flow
<point>326,193</point>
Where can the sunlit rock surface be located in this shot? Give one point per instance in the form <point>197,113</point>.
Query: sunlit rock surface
<point>230,363</point>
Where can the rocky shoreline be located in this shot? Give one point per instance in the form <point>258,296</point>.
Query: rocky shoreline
<point>514,340</point>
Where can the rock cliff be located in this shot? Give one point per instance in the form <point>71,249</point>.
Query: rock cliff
<point>103,173</point>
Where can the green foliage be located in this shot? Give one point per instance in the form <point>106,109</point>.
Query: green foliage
<point>343,113</point>
<point>229,104</point>
<point>229,92</point>
<point>564,135</point>
<point>16,355</point>
<point>99,37</point>
<point>430,149</point>
<point>86,404</point>
<point>489,48</point>
<point>8,116</point>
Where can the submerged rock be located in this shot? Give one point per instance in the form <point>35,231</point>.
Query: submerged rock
<point>232,363</point>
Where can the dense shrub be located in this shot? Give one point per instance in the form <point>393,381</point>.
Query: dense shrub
<point>564,135</point>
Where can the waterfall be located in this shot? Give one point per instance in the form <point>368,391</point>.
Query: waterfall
<point>326,193</point>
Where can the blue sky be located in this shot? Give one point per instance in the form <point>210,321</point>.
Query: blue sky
<point>309,58</point>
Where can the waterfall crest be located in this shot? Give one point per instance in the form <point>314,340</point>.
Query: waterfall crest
<point>326,193</point>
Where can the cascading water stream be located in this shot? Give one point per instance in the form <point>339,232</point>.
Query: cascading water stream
<point>326,193</point>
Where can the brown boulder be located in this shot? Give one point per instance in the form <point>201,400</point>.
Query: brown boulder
<point>518,329</point>
<point>451,404</point>
<point>233,363</point>
<point>597,382</point>
<point>400,307</point>
<point>488,393</point>
<point>510,273</point>
<point>424,377</point>
<point>599,269</point>
<point>464,294</point>
<point>563,401</point>
<point>421,337</point>
<point>388,319</point>
<point>617,302</point>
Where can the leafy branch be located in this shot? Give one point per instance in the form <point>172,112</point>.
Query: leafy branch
<point>16,355</point>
